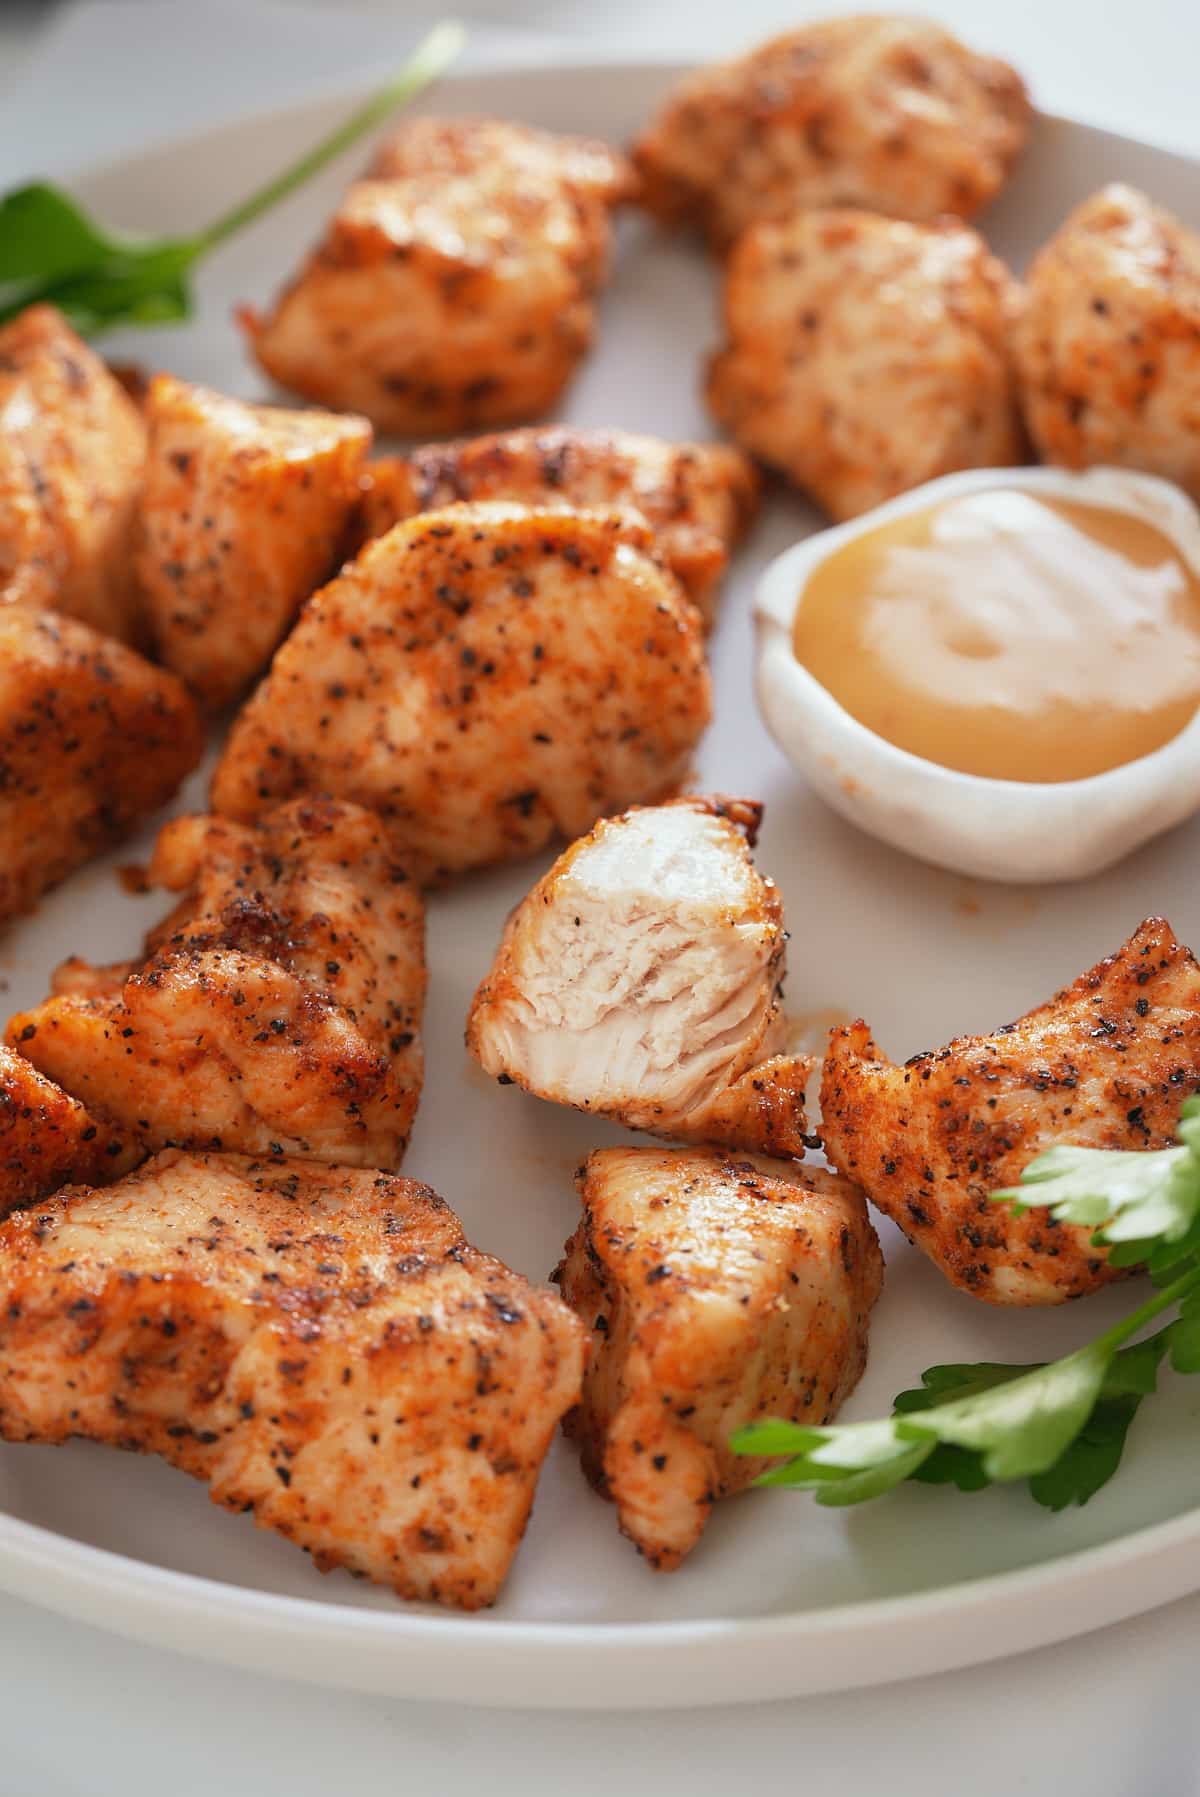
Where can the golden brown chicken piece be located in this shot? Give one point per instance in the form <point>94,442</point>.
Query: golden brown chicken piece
<point>454,286</point>
<point>891,114</point>
<point>1108,345</point>
<point>92,740</point>
<point>716,1290</point>
<point>866,355</point>
<point>641,980</point>
<point>1105,1064</point>
<point>487,677</point>
<point>276,1010</point>
<point>72,448</point>
<point>320,1344</point>
<point>245,512</point>
<point>697,498</point>
<point>47,1140</point>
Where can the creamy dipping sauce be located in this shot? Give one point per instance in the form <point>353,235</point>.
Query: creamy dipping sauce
<point>1009,634</point>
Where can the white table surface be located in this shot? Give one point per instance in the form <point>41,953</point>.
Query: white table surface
<point>82,1713</point>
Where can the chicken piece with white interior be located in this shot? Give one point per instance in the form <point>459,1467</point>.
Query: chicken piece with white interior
<point>641,980</point>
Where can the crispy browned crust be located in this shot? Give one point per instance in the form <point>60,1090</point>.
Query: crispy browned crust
<point>699,499</point>
<point>277,1007</point>
<point>715,1290</point>
<point>93,739</point>
<point>1106,1063</point>
<point>320,1344</point>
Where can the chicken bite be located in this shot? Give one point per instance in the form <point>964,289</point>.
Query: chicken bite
<point>641,980</point>
<point>245,512</point>
<point>72,449</point>
<point>891,114</point>
<point>48,1140</point>
<point>1105,1064</point>
<point>866,356</point>
<point>697,498</point>
<point>487,677</point>
<point>92,740</point>
<point>716,1291</point>
<point>1108,342</point>
<point>454,286</point>
<point>320,1344</point>
<point>276,1010</point>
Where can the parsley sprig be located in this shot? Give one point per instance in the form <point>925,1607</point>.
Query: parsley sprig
<point>51,252</point>
<point>1060,1425</point>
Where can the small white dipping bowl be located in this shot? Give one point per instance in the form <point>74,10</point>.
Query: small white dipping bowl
<point>992,829</point>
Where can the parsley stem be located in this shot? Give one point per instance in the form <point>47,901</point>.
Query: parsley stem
<point>431,57</point>
<point>1170,1294</point>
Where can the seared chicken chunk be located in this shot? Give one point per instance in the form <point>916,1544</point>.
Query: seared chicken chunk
<point>891,114</point>
<point>697,498</point>
<point>454,286</point>
<point>1105,1064</point>
<point>72,448</point>
<point>320,1344</point>
<point>1107,343</point>
<point>48,1140</point>
<point>277,1009</point>
<point>716,1290</point>
<point>487,677</point>
<point>92,740</point>
<point>641,978</point>
<point>244,515</point>
<point>866,356</point>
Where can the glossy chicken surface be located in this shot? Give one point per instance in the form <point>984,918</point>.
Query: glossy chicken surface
<point>48,1140</point>
<point>891,114</point>
<point>1108,346</point>
<point>641,979</point>
<point>487,677</point>
<point>92,741</point>
<point>72,448</point>
<point>320,1344</point>
<point>244,515</point>
<point>866,355</point>
<point>1105,1064</point>
<point>454,286</point>
<point>716,1290</point>
<point>276,1010</point>
<point>697,498</point>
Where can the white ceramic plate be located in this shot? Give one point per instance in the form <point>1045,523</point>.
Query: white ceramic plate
<point>781,1597</point>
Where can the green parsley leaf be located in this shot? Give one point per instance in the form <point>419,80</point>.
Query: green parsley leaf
<point>1060,1426</point>
<point>52,253</point>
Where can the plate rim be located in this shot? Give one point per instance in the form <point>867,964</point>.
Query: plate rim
<point>718,1659</point>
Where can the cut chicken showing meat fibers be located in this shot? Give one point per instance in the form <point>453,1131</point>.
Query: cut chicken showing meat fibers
<point>48,1140</point>
<point>245,513</point>
<point>641,979</point>
<point>488,677</point>
<point>1104,1064</point>
<point>93,739</point>
<point>699,499</point>
<point>320,1344</point>
<point>72,449</point>
<point>717,1290</point>
<point>276,1010</point>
